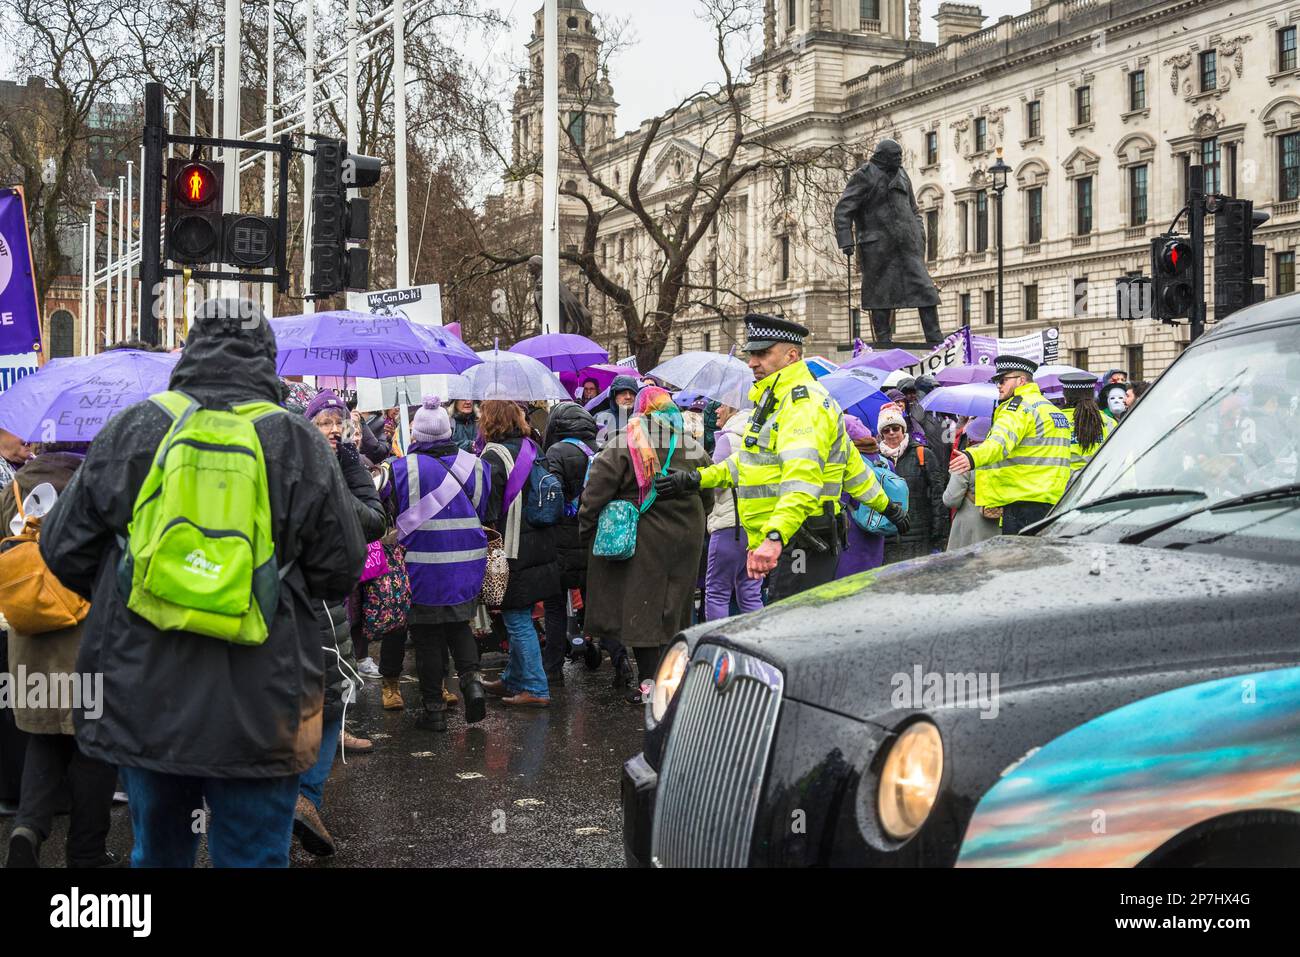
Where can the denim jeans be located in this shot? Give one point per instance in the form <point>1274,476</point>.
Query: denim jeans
<point>727,575</point>
<point>524,672</point>
<point>311,783</point>
<point>250,825</point>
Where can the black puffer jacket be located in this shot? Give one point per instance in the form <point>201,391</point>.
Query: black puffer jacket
<point>535,574</point>
<point>336,632</point>
<point>568,463</point>
<point>925,486</point>
<point>181,703</point>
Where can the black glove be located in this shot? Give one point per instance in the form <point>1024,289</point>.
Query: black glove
<point>348,454</point>
<point>896,514</point>
<point>677,483</point>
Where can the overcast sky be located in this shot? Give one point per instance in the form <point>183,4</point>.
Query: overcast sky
<point>671,54</point>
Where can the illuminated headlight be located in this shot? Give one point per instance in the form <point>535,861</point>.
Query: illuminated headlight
<point>672,668</point>
<point>909,781</point>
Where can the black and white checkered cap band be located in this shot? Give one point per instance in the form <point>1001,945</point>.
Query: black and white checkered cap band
<point>1016,365</point>
<point>779,335</point>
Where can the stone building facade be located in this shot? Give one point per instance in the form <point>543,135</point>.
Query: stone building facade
<point>1099,108</point>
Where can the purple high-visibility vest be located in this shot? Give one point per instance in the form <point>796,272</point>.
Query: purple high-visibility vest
<point>446,555</point>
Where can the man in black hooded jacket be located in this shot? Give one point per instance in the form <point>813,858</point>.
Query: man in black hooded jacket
<point>191,719</point>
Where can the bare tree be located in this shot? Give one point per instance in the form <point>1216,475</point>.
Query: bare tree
<point>672,271</point>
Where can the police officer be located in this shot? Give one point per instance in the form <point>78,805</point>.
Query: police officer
<point>792,464</point>
<point>1026,457</point>
<point>1088,427</point>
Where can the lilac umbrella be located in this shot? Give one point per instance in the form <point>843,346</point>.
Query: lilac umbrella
<point>886,361</point>
<point>562,351</point>
<point>820,366</point>
<point>975,398</point>
<point>1048,378</point>
<point>963,375</point>
<point>857,392</point>
<point>70,400</point>
<point>602,372</point>
<point>362,345</point>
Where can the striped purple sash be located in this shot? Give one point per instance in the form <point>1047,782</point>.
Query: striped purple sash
<point>462,469</point>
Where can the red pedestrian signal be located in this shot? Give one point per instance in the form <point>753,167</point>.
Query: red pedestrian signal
<point>1175,257</point>
<point>197,184</point>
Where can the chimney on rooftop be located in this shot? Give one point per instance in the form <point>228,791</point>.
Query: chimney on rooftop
<point>958,20</point>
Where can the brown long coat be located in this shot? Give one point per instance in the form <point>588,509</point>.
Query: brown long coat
<point>54,652</point>
<point>645,601</point>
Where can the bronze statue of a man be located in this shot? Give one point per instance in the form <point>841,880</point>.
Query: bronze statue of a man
<point>574,316</point>
<point>878,203</point>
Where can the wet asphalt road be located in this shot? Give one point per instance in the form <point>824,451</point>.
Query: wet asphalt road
<point>523,788</point>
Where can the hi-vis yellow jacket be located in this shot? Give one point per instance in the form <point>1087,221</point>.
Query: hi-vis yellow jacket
<point>1026,457</point>
<point>1079,456</point>
<point>798,459</point>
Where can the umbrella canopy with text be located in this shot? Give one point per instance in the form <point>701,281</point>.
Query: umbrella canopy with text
<point>359,344</point>
<point>70,400</point>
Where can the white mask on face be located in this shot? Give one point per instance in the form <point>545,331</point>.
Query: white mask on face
<point>1115,402</point>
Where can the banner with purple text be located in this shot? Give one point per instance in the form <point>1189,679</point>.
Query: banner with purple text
<point>1040,347</point>
<point>20,318</point>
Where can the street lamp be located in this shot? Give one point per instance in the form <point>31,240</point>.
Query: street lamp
<point>999,171</point>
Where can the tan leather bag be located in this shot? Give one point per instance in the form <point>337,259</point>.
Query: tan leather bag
<point>31,598</point>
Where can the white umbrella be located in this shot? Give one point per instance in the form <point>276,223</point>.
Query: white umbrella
<point>724,379</point>
<point>512,376</point>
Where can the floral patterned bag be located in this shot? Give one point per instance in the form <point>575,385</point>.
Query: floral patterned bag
<point>386,600</point>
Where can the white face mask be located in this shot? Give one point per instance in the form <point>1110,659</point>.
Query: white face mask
<point>1115,402</point>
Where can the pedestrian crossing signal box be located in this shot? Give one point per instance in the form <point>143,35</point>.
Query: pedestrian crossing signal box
<point>193,211</point>
<point>1173,266</point>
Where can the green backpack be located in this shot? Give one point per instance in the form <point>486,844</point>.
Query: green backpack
<point>199,556</point>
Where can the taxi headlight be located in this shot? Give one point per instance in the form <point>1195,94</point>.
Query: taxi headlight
<point>672,668</point>
<point>909,780</point>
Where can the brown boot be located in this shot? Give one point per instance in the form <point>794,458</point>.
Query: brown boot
<point>449,699</point>
<point>496,688</point>
<point>393,695</point>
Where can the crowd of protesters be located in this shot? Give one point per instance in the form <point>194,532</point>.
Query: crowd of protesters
<point>435,547</point>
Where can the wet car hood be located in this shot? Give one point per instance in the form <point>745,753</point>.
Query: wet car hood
<point>1033,611</point>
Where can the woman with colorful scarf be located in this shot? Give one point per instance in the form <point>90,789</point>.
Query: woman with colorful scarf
<point>645,601</point>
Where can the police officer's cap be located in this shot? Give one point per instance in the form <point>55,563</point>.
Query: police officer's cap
<point>1081,382</point>
<point>1009,364</point>
<point>763,332</point>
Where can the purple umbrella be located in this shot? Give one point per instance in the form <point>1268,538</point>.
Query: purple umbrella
<point>975,398</point>
<point>362,345</point>
<point>963,375</point>
<point>886,361</point>
<point>562,351</point>
<point>856,392</point>
<point>70,400</point>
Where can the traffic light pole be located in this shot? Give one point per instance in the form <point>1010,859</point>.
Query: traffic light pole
<point>151,213</point>
<point>1196,228</point>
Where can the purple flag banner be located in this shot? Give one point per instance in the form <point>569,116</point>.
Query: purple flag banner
<point>1040,347</point>
<point>20,316</point>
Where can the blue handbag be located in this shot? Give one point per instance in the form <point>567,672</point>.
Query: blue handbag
<point>616,527</point>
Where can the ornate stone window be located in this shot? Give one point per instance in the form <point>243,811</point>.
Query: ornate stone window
<point>1081,168</point>
<point>1136,155</point>
<point>1031,179</point>
<point>1281,119</point>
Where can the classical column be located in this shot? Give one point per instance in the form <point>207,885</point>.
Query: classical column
<point>769,25</point>
<point>914,20</point>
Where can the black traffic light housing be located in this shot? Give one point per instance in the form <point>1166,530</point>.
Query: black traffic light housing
<point>194,220</point>
<point>1172,277</point>
<point>1238,260</point>
<point>337,220</point>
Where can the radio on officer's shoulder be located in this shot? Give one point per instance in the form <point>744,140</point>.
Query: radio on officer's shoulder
<point>766,406</point>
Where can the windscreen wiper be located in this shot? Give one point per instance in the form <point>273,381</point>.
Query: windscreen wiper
<point>1125,496</point>
<point>1289,490</point>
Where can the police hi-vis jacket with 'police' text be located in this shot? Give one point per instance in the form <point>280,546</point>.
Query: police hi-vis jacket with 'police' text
<point>793,461</point>
<point>1026,457</point>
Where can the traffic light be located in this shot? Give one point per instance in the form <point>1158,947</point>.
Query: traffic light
<point>193,211</point>
<point>337,221</point>
<point>1237,259</point>
<point>1172,275</point>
